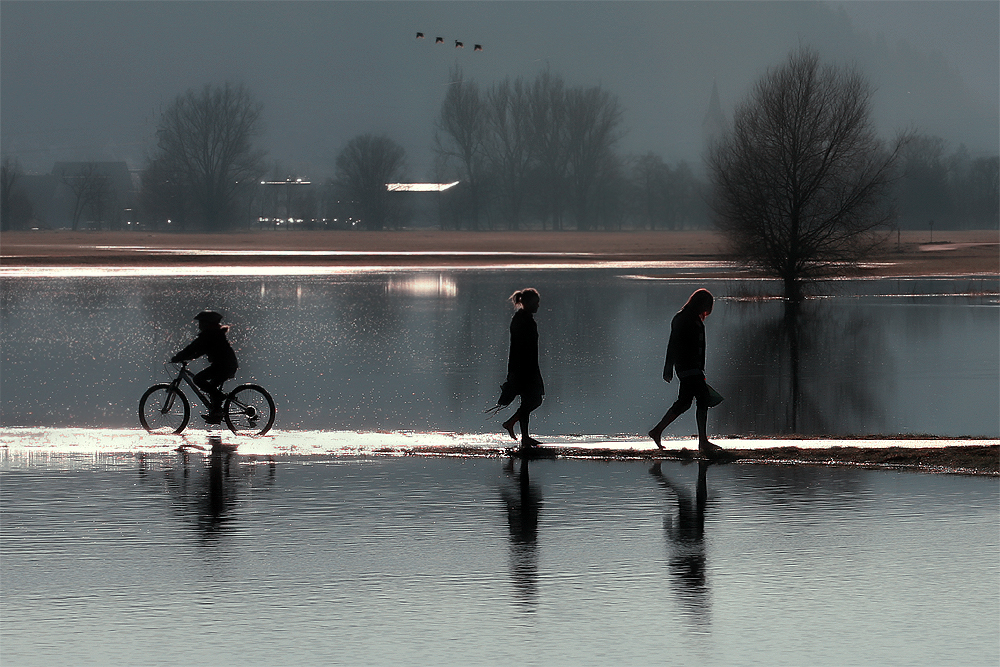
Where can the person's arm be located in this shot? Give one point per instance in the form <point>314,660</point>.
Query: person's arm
<point>668,364</point>
<point>192,351</point>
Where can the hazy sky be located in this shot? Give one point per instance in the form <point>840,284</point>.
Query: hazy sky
<point>87,80</point>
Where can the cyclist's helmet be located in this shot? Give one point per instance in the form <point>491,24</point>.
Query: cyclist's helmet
<point>209,317</point>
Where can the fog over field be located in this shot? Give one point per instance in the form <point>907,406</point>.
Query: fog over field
<point>89,80</point>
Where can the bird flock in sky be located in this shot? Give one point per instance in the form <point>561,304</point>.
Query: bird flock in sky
<point>458,44</point>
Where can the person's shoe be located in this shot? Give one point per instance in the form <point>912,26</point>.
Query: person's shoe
<point>213,417</point>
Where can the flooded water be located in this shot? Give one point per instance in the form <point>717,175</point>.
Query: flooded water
<point>314,547</point>
<point>426,351</point>
<point>125,560</point>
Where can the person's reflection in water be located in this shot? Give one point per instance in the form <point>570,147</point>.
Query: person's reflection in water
<point>685,534</point>
<point>523,501</point>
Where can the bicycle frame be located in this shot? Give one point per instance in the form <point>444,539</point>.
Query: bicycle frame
<point>188,376</point>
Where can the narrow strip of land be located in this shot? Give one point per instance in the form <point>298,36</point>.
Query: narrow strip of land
<point>959,253</point>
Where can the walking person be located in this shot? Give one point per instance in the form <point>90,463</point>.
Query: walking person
<point>211,342</point>
<point>524,378</point>
<point>686,355</point>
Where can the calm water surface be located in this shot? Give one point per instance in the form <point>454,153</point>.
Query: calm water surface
<point>147,558</point>
<point>426,351</point>
<point>433,561</point>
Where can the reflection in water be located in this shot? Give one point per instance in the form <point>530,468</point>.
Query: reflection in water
<point>206,493</point>
<point>422,285</point>
<point>685,533</point>
<point>523,500</point>
<point>808,371</point>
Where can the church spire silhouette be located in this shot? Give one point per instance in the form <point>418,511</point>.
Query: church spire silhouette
<point>714,124</point>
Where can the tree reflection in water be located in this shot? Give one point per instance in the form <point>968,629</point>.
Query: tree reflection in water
<point>805,369</point>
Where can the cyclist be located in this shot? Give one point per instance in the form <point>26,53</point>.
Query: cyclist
<point>211,342</point>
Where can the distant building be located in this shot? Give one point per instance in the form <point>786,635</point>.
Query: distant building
<point>53,198</point>
<point>423,202</point>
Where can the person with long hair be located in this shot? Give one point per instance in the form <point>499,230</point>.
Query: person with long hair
<point>523,373</point>
<point>686,355</point>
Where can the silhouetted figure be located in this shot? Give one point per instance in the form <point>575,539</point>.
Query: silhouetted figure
<point>420,35</point>
<point>686,538</point>
<point>211,342</point>
<point>459,45</point>
<point>439,40</point>
<point>523,501</point>
<point>686,354</point>
<point>477,47</point>
<point>523,374</point>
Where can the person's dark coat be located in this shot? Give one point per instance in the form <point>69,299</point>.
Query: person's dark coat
<point>686,347</point>
<point>522,364</point>
<point>213,344</point>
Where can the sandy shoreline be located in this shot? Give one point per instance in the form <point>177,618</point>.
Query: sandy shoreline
<point>959,253</point>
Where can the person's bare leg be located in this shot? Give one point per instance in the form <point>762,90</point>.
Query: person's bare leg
<point>657,431</point>
<point>704,444</point>
<point>526,440</point>
<point>509,425</point>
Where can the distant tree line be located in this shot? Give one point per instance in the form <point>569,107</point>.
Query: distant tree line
<point>539,154</point>
<point>527,154</point>
<point>953,191</point>
<point>542,154</point>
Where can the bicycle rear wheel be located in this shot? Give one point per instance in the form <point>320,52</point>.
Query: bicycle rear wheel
<point>249,410</point>
<point>164,409</point>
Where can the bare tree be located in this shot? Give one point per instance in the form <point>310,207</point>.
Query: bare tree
<point>548,138</point>
<point>15,207</point>
<point>801,180</point>
<point>923,185</point>
<point>593,127</point>
<point>461,133</point>
<point>205,138</point>
<point>508,147</point>
<point>91,190</point>
<point>364,167</point>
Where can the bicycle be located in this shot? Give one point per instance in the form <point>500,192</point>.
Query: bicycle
<point>164,408</point>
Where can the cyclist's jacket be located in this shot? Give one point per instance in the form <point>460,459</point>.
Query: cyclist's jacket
<point>213,344</point>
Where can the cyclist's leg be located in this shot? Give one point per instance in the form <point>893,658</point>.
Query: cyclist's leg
<point>210,380</point>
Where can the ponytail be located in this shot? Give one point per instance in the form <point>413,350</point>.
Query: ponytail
<point>520,296</point>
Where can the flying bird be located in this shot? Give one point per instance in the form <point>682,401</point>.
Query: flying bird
<point>478,47</point>
<point>420,35</point>
<point>439,40</point>
<point>459,45</point>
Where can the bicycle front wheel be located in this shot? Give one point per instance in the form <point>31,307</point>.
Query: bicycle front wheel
<point>164,409</point>
<point>249,410</point>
